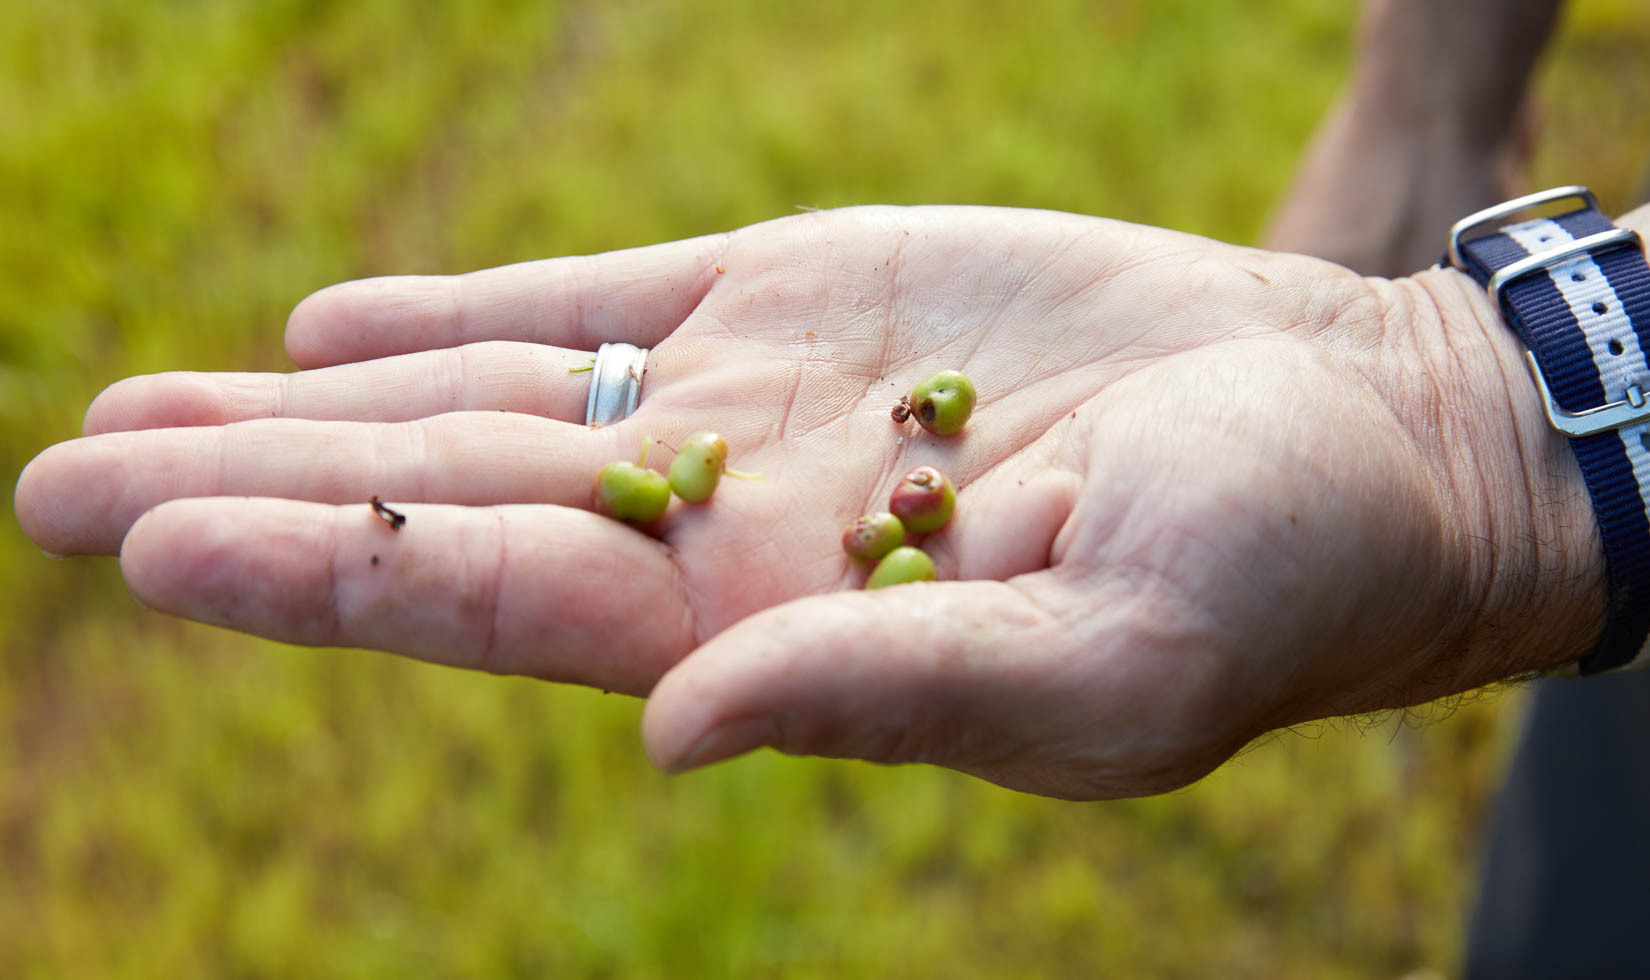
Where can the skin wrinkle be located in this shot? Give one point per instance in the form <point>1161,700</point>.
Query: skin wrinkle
<point>841,414</point>
<point>417,438</point>
<point>895,449</point>
<point>830,567</point>
<point>1128,253</point>
<point>1157,613</point>
<point>790,400</point>
<point>1026,587</point>
<point>693,619</point>
<point>1184,539</point>
<point>460,296</point>
<point>1442,478</point>
<point>916,729</point>
<point>916,738</point>
<point>552,375</point>
<point>868,320</point>
<point>575,272</point>
<point>1116,568</point>
<point>1496,564</point>
<point>894,264</point>
<point>1040,374</point>
<point>1043,266</point>
<point>280,393</point>
<point>501,564</point>
<point>1053,306</point>
<point>1508,579</point>
<point>705,283</point>
<point>459,378</point>
<point>1401,308</point>
<point>1454,494</point>
<point>711,324</point>
<point>986,331</point>
<point>827,305</point>
<point>1142,761</point>
<point>220,436</point>
<point>1061,342</point>
<point>334,630</point>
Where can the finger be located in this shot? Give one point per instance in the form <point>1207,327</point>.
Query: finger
<point>636,296</point>
<point>79,497</point>
<point>956,673</point>
<point>1005,525</point>
<point>547,591</point>
<point>532,379</point>
<point>977,676</point>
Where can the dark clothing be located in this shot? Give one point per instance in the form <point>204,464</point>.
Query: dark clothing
<point>1565,886</point>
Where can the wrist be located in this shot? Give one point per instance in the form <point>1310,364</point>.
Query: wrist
<point>1538,561</point>
<point>1535,570</point>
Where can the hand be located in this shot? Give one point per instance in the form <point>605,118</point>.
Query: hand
<point>1208,491</point>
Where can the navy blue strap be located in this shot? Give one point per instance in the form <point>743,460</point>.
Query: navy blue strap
<point>1586,320</point>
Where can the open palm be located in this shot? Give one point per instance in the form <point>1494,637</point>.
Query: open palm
<point>1188,509</point>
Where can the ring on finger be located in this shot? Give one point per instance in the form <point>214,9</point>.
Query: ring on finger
<point>615,383</point>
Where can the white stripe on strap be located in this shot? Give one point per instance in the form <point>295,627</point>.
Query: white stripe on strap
<point>1583,285</point>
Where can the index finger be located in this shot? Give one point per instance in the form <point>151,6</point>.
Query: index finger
<point>635,296</point>
<point>547,591</point>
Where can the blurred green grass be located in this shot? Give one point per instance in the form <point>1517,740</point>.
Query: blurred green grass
<point>177,801</point>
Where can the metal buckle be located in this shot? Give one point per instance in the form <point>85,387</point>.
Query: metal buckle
<point>1491,215</point>
<point>1591,422</point>
<point>1612,415</point>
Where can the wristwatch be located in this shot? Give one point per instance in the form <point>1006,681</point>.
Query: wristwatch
<point>1576,290</point>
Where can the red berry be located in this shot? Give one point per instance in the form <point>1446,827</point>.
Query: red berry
<point>924,500</point>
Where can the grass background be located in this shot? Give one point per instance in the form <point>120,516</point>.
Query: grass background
<point>178,801</point>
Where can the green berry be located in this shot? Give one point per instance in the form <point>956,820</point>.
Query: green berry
<point>698,466</point>
<point>871,537</point>
<point>924,500</point>
<point>943,403</point>
<point>630,493</point>
<point>900,566</point>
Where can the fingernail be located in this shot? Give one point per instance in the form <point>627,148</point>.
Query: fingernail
<point>726,741</point>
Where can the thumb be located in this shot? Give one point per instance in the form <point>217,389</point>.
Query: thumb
<point>971,675</point>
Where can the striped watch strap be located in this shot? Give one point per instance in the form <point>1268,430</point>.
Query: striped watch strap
<point>1577,291</point>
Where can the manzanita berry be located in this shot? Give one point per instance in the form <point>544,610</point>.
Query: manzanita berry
<point>872,536</point>
<point>901,565</point>
<point>924,500</point>
<point>943,403</point>
<point>698,466</point>
<point>630,493</point>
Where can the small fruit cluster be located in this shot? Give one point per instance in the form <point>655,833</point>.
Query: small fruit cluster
<point>632,493</point>
<point>925,498</point>
<point>923,502</point>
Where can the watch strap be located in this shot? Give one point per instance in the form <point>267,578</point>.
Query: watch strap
<point>1577,291</point>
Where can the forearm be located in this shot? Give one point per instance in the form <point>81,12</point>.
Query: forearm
<point>1429,129</point>
<point>1461,67</point>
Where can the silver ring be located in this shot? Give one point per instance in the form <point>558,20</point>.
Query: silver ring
<point>615,383</point>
